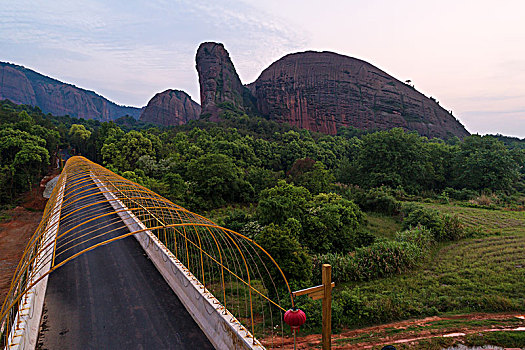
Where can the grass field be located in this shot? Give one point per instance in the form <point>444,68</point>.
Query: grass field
<point>382,225</point>
<point>487,220</point>
<point>485,273</point>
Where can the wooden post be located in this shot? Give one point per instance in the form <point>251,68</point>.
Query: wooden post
<point>327,307</point>
<point>323,291</point>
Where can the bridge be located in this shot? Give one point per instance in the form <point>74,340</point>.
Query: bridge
<point>114,265</point>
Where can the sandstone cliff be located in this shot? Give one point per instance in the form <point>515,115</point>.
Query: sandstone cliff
<point>321,91</point>
<point>171,107</point>
<point>15,86</point>
<point>220,85</point>
<point>24,86</point>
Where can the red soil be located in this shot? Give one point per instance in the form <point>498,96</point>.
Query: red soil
<point>314,340</point>
<point>16,231</point>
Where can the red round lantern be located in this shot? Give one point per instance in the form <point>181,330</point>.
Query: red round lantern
<point>295,318</point>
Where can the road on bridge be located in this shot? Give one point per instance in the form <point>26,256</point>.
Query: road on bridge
<point>111,297</point>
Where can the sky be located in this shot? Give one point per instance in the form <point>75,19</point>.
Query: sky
<point>469,55</point>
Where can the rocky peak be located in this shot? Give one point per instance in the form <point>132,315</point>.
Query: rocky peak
<point>171,107</point>
<point>219,81</point>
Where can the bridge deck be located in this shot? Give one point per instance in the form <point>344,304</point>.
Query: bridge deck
<point>112,297</point>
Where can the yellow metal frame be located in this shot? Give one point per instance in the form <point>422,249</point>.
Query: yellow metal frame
<point>231,266</point>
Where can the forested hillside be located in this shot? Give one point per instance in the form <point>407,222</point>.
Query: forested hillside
<point>243,155</point>
<point>25,86</point>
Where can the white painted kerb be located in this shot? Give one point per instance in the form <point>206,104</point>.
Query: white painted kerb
<point>222,329</point>
<point>24,334</point>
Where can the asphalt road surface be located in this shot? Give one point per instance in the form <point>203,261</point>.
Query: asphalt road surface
<point>112,297</point>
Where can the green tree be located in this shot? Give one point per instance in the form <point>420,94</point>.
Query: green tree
<point>79,136</point>
<point>108,133</point>
<point>154,185</point>
<point>333,224</point>
<point>23,157</point>
<point>438,164</point>
<point>177,187</point>
<point>261,178</point>
<point>311,175</point>
<point>125,153</point>
<point>30,161</point>
<point>215,180</point>
<point>281,202</point>
<point>24,121</point>
<point>483,162</point>
<point>281,243</point>
<point>393,158</point>
<point>52,137</point>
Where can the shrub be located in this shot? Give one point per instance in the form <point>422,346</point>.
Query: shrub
<point>313,311</point>
<point>477,231</point>
<point>407,208</point>
<point>453,228</point>
<point>462,195</point>
<point>314,317</point>
<point>354,306</point>
<point>494,303</point>
<point>419,235</point>
<point>339,263</point>
<point>381,259</point>
<point>485,200</point>
<point>392,306</point>
<point>378,200</point>
<point>499,338</point>
<point>399,193</point>
<point>428,218</point>
<point>443,227</point>
<point>359,308</point>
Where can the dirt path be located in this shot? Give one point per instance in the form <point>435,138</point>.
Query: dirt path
<point>412,331</point>
<point>16,231</point>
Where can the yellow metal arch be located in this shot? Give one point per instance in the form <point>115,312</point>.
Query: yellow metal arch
<point>227,263</point>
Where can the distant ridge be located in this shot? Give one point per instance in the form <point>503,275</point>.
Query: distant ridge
<point>25,86</point>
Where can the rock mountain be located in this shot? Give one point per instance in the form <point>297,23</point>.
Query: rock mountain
<point>219,81</point>
<point>24,86</point>
<point>171,107</point>
<point>321,91</point>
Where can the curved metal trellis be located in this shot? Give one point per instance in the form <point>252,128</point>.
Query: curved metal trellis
<point>239,273</point>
